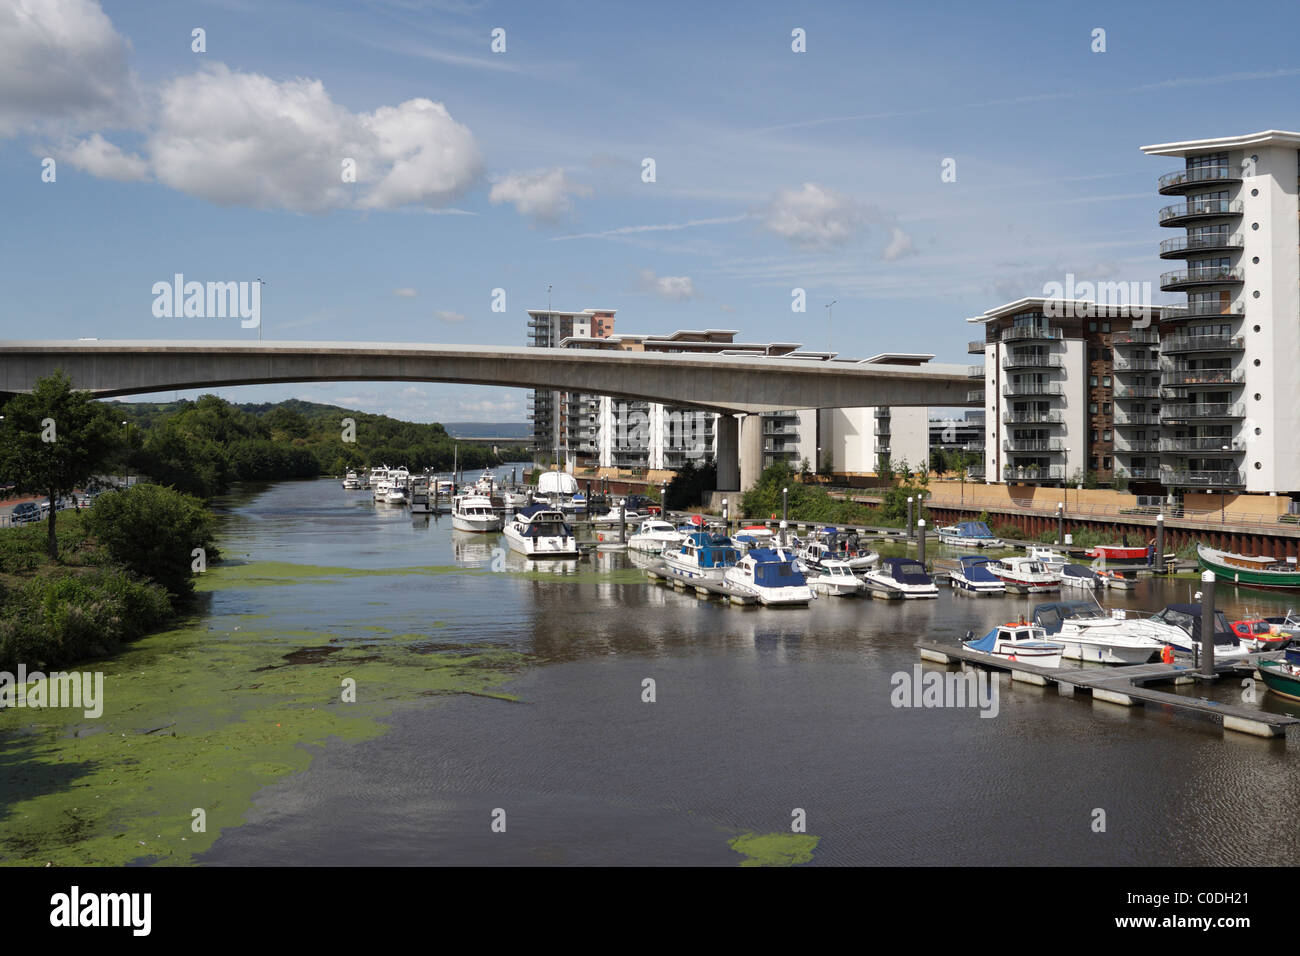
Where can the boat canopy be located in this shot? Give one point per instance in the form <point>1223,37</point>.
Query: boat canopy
<point>775,569</point>
<point>532,510</point>
<point>976,568</point>
<point>986,642</point>
<point>907,570</point>
<point>974,529</point>
<point>557,483</point>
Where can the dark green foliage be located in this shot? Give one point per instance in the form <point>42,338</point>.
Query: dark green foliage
<point>153,531</point>
<point>689,485</point>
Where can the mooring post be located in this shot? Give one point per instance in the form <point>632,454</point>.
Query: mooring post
<point>785,512</point>
<point>1207,624</point>
<point>622,526</point>
<point>726,523</point>
<point>1060,522</point>
<point>910,525</point>
<point>920,540</point>
<point>1160,545</point>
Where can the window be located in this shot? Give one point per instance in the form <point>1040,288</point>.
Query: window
<point>1092,381</point>
<point>1105,436</point>
<point>1105,408</point>
<point>1105,463</point>
<point>1092,326</point>
<point>1105,380</point>
<point>1105,326</point>
<point>1092,408</point>
<point>1094,434</point>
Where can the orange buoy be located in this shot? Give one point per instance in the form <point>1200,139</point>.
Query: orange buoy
<point>1167,654</point>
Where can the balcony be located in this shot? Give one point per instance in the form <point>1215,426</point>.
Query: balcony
<point>1200,446</point>
<point>882,449</point>
<point>1021,333</point>
<point>881,411</point>
<point>1202,411</point>
<point>1202,310</point>
<point>1202,479</point>
<point>1012,389</point>
<point>975,396</point>
<point>1032,418</point>
<point>1136,365</point>
<point>1031,360</point>
<point>1033,445</point>
<point>976,346</point>
<point>1123,419</point>
<point>1135,337</point>
<point>882,430</point>
<point>1183,246</point>
<point>1190,278</point>
<point>1203,343</point>
<point>1136,391</point>
<point>974,371</point>
<point>1137,446</point>
<point>1203,377</point>
<point>779,430</point>
<point>1033,473</point>
<point>1185,180</point>
<point>1183,212</point>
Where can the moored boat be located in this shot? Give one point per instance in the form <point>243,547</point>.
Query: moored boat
<point>1258,571</point>
<point>1123,553</point>
<point>1019,641</point>
<point>1087,633</point>
<point>653,535</point>
<point>972,574</point>
<point>902,577</point>
<point>1079,577</point>
<point>474,512</point>
<point>701,557</point>
<point>837,579</point>
<point>1025,575</point>
<point>540,531</point>
<point>969,534</point>
<point>769,575</point>
<point>1281,677</point>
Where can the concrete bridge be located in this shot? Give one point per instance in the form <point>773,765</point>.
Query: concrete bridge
<point>727,384</point>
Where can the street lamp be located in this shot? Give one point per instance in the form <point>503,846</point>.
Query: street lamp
<point>830,311</point>
<point>1223,498</point>
<point>1066,483</point>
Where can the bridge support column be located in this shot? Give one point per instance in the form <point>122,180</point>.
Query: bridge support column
<point>728,433</point>
<point>751,451</point>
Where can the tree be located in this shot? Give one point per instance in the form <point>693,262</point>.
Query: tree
<point>154,532</point>
<point>52,440</point>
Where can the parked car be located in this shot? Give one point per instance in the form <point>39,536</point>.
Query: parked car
<point>26,512</point>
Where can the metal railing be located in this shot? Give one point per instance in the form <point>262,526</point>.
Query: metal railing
<point>1032,360</point>
<point>1124,419</point>
<point>1024,332</point>
<point>1211,274</point>
<point>1206,376</point>
<point>1194,410</point>
<point>975,396</point>
<point>1203,479</point>
<point>1219,444</point>
<point>1142,446</point>
<point>1197,175</point>
<point>1137,391</point>
<point>949,498</point>
<point>1031,388</point>
<point>881,412</point>
<point>1200,310</point>
<point>1032,418</point>
<point>1136,365</point>
<point>1033,444</point>
<point>1136,337</point>
<point>1203,343</point>
<point>1031,473</point>
<point>974,371</point>
<point>976,345</point>
<point>1200,207</point>
<point>1205,242</point>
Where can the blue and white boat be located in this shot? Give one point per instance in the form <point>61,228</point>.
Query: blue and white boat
<point>972,574</point>
<point>969,534</point>
<point>1077,576</point>
<point>1020,642</point>
<point>701,558</point>
<point>540,531</point>
<point>902,577</point>
<point>770,575</point>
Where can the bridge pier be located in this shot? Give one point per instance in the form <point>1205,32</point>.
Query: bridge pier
<point>728,432</point>
<point>751,450</point>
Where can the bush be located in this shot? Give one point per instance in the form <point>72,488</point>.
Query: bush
<point>1007,531</point>
<point>153,532</point>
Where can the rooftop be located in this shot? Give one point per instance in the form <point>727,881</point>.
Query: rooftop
<point>1191,147</point>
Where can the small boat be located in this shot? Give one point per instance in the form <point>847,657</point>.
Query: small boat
<point>769,575</point>
<point>560,490</point>
<point>1026,575</point>
<point>905,577</point>
<point>540,531</point>
<point>1077,576</point>
<point>1050,558</point>
<point>969,534</point>
<point>1259,571</point>
<point>474,512</point>
<point>653,535</point>
<point>351,481</point>
<point>1124,553</point>
<point>1088,634</point>
<point>972,574</point>
<point>754,537</point>
<point>1018,641</point>
<point>1117,578</point>
<point>702,557</point>
<point>1256,634</point>
<point>1281,677</point>
<point>837,579</point>
<point>395,495</point>
<point>1288,626</point>
<point>1184,634</point>
<point>612,517</point>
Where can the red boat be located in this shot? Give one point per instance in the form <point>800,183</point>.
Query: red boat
<point>1257,635</point>
<point>1116,552</point>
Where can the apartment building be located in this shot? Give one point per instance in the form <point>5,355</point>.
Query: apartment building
<point>1069,386</point>
<point>858,441</point>
<point>1230,355</point>
<point>564,422</point>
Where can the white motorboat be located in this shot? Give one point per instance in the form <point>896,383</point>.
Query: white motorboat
<point>1184,630</point>
<point>972,574</point>
<point>1081,578</point>
<point>1019,642</point>
<point>1025,575</point>
<point>1089,634</point>
<point>701,557</point>
<point>351,481</point>
<point>837,579</point>
<point>654,535</point>
<point>559,490</point>
<point>905,577</point>
<point>769,575</point>
<point>1049,558</point>
<point>379,482</point>
<point>540,531</point>
<point>474,512</point>
<point>969,534</point>
<point>611,517</point>
<point>395,496</point>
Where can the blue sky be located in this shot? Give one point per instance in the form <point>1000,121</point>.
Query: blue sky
<point>774,170</point>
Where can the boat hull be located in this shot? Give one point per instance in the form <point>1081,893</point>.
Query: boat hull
<point>1280,680</point>
<point>1279,580</point>
<point>476,523</point>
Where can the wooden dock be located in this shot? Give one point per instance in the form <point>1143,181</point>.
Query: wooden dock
<point>702,588</point>
<point>1127,685</point>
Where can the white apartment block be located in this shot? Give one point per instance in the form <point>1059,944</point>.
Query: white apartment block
<point>1230,356</point>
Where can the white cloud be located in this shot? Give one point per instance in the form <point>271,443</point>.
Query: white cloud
<point>541,194</point>
<point>900,246</point>
<point>245,139</point>
<point>62,66</point>
<point>814,215</point>
<point>101,158</point>
<point>442,315</point>
<point>404,293</point>
<point>672,288</point>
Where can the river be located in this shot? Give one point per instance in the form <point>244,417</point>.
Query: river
<point>539,749</point>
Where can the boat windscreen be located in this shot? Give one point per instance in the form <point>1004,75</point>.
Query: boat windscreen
<point>777,574</point>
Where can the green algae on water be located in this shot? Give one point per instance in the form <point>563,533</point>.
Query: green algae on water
<point>774,849</point>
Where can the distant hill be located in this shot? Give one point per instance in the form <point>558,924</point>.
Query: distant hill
<point>520,431</point>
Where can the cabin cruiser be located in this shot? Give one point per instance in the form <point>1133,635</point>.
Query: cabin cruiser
<point>837,579</point>
<point>395,495</point>
<point>352,481</point>
<point>972,574</point>
<point>474,512</point>
<point>1182,623</point>
<point>701,557</point>
<point>653,535</point>
<point>827,544</point>
<point>1049,558</point>
<point>969,534</point>
<point>612,517</point>
<point>558,489</point>
<point>1026,575</point>
<point>769,575</point>
<point>1022,642</point>
<point>379,482</point>
<point>540,531</point>
<point>755,537</point>
<point>902,576</point>
<point>1089,634</point>
<point>1077,576</point>
<point>487,484</point>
